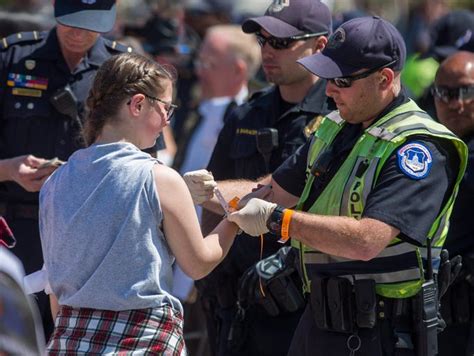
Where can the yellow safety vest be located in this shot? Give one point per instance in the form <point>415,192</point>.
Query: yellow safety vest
<point>398,269</point>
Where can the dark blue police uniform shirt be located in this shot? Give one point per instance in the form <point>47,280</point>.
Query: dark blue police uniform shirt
<point>407,204</point>
<point>460,240</point>
<point>236,155</point>
<point>32,68</point>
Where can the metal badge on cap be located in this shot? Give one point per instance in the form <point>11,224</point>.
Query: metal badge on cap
<point>278,5</point>
<point>337,39</point>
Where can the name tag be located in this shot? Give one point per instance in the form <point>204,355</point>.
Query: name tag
<point>27,92</point>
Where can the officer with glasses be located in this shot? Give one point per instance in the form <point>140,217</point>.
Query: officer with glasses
<point>373,191</point>
<point>45,78</point>
<point>256,138</point>
<point>453,92</point>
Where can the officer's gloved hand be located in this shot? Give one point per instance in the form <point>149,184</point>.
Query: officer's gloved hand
<point>444,273</point>
<point>201,184</point>
<point>441,323</point>
<point>456,266</point>
<point>448,271</point>
<point>253,217</point>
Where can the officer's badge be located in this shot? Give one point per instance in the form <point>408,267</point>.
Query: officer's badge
<point>465,38</point>
<point>278,5</point>
<point>415,160</point>
<point>337,39</point>
<point>313,125</point>
<point>30,64</point>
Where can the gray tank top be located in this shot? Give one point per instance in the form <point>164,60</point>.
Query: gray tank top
<point>100,219</point>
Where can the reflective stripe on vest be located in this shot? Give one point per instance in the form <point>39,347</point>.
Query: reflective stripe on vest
<point>358,175</point>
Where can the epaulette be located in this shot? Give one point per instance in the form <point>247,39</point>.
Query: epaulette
<point>117,46</point>
<point>20,37</point>
<point>260,92</point>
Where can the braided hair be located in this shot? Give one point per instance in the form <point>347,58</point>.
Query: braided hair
<point>119,78</point>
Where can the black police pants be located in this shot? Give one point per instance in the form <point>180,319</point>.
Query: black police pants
<point>28,250</point>
<point>311,341</point>
<point>457,339</point>
<point>260,334</point>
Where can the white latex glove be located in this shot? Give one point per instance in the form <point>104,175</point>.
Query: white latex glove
<point>253,217</point>
<point>201,184</point>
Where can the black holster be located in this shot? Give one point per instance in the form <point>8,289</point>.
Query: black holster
<point>280,283</point>
<point>338,305</point>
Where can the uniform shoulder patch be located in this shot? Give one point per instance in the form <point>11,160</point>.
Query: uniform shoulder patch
<point>415,160</point>
<point>118,47</point>
<point>21,37</point>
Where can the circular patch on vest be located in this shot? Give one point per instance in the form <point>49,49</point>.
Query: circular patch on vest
<point>415,160</point>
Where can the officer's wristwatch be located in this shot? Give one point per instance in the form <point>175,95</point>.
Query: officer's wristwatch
<point>275,221</point>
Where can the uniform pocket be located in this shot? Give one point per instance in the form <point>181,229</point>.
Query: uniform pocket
<point>21,107</point>
<point>244,146</point>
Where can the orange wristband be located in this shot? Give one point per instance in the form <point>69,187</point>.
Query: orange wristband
<point>285,225</point>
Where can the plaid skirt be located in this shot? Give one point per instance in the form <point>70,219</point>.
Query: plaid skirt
<point>142,331</point>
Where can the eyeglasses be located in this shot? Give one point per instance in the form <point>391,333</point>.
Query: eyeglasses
<point>447,94</point>
<point>169,107</point>
<point>346,82</point>
<point>283,43</point>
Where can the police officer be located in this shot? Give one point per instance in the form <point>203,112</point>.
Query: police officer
<point>453,92</point>
<point>373,190</point>
<point>449,34</point>
<point>45,80</point>
<point>255,139</point>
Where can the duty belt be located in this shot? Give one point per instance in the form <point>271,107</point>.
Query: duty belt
<point>19,211</point>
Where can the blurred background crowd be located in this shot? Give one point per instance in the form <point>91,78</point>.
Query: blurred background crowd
<point>171,31</point>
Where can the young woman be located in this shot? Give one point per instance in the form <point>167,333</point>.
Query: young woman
<point>112,221</point>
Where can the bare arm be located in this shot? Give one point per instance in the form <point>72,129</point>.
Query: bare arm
<point>233,188</point>
<point>244,189</point>
<point>53,302</point>
<point>201,184</point>
<point>196,255</point>
<point>336,235</point>
<point>342,236</point>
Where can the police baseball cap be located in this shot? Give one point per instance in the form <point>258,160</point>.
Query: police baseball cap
<point>451,33</point>
<point>92,15</point>
<point>361,43</point>
<point>287,18</point>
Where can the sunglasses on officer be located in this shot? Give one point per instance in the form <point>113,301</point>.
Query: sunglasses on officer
<point>346,82</point>
<point>446,94</point>
<point>284,43</point>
